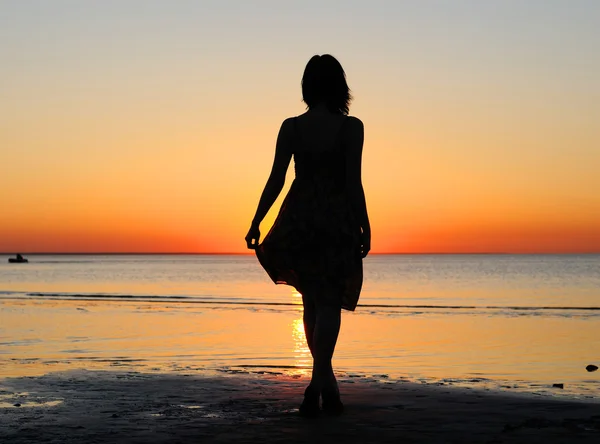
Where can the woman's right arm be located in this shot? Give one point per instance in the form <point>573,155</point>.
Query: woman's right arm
<point>354,146</point>
<point>283,156</point>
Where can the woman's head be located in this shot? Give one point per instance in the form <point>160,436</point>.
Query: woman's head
<point>324,81</point>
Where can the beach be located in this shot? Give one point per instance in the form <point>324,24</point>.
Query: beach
<point>178,349</point>
<point>132,407</point>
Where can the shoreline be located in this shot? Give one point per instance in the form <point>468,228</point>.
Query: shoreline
<point>130,407</point>
<point>560,391</point>
<point>486,352</point>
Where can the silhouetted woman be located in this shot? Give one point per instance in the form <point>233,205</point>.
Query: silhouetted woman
<point>322,232</point>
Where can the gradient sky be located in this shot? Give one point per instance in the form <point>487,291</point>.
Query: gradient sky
<point>150,125</point>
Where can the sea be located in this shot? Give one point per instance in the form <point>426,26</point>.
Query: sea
<point>513,323</point>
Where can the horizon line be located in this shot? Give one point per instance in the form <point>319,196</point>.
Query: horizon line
<point>251,253</point>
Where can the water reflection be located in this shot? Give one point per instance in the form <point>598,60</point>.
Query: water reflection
<point>301,352</point>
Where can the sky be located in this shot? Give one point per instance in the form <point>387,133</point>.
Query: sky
<point>150,126</point>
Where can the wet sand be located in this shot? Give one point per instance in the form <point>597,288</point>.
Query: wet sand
<point>127,407</point>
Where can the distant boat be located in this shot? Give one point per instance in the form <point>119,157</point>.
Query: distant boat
<point>17,260</point>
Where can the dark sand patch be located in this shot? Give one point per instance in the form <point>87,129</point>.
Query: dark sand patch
<point>127,407</point>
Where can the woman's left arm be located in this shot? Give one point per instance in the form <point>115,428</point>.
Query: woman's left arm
<point>283,155</point>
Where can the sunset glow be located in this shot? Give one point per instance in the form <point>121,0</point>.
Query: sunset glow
<point>128,129</point>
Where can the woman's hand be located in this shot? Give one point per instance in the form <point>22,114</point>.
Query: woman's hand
<point>365,243</point>
<point>253,237</point>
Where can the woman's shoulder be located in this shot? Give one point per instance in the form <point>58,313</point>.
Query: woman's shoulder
<point>289,121</point>
<point>288,126</point>
<point>353,120</point>
<point>351,124</point>
<point>354,124</point>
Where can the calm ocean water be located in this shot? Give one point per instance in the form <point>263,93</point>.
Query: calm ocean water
<point>522,322</point>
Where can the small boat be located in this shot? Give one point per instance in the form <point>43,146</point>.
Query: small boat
<point>17,260</point>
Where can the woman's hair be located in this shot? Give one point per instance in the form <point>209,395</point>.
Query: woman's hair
<point>324,81</point>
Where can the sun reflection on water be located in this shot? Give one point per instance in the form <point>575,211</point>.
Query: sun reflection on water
<point>301,352</point>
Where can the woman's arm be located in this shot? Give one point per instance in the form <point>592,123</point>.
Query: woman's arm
<point>355,140</point>
<point>283,155</point>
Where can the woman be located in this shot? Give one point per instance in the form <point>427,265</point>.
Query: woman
<point>322,232</point>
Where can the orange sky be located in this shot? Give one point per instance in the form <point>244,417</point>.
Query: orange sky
<point>154,131</point>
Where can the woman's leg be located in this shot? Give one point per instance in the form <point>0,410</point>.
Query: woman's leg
<point>322,321</point>
<point>309,317</point>
<point>310,404</point>
<point>327,328</point>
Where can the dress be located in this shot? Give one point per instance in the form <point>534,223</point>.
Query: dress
<point>315,239</point>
